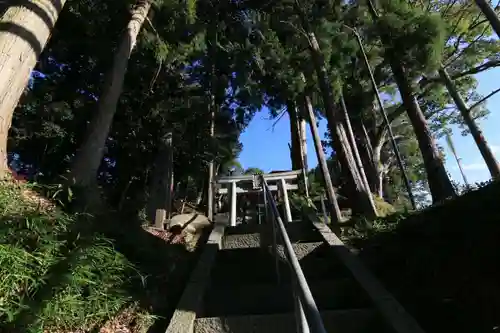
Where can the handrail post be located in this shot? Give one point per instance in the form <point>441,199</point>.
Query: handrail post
<point>274,244</point>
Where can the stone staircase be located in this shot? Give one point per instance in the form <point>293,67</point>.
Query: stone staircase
<point>237,289</point>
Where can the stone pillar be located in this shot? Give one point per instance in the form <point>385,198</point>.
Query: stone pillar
<point>286,203</point>
<point>233,194</point>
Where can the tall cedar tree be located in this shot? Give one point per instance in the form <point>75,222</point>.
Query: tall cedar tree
<point>26,28</point>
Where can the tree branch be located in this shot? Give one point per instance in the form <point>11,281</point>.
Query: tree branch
<point>396,137</point>
<point>484,99</point>
<point>281,114</point>
<point>455,56</point>
<point>476,70</point>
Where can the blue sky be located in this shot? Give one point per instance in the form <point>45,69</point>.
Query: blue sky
<point>266,147</point>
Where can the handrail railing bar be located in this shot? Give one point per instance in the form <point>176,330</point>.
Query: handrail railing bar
<point>275,251</point>
<point>310,309</point>
<point>274,245</point>
<point>300,317</point>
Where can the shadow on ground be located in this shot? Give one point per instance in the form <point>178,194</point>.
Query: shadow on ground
<point>443,264</point>
<point>164,267</point>
<point>77,271</point>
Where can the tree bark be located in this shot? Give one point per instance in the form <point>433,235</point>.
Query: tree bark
<point>330,192</point>
<point>387,191</point>
<point>457,159</point>
<point>366,154</point>
<point>303,140</point>
<point>439,182</point>
<point>490,14</point>
<point>295,139</point>
<point>475,131</point>
<point>26,28</point>
<point>362,200</point>
<point>161,182</point>
<point>354,145</point>
<point>201,198</point>
<point>211,170</point>
<point>378,165</point>
<point>89,156</point>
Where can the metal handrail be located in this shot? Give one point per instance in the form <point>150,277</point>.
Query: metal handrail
<point>307,312</point>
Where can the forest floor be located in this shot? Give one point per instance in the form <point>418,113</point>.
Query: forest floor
<point>72,273</point>
<point>443,264</point>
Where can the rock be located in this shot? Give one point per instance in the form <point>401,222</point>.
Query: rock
<point>189,223</point>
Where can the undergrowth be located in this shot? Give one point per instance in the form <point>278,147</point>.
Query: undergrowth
<point>56,273</point>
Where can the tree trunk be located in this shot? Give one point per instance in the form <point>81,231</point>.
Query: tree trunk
<point>330,192</point>
<point>202,190</point>
<point>26,28</point>
<point>366,137</point>
<point>161,182</point>
<point>378,166</point>
<point>303,149</point>
<point>354,145</point>
<point>457,159</point>
<point>361,198</point>
<point>490,14</point>
<point>88,158</point>
<point>303,140</point>
<point>386,189</point>
<point>366,154</point>
<point>384,114</point>
<point>475,131</point>
<point>295,140</point>
<point>211,164</point>
<point>439,182</point>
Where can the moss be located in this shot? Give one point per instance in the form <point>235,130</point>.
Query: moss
<point>383,208</point>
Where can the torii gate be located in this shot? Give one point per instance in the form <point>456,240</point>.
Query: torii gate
<point>282,181</point>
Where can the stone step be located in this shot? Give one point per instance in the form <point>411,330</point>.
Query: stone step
<point>278,298</point>
<point>342,321</point>
<point>257,266</point>
<point>245,266</point>
<point>249,235</point>
<point>320,262</point>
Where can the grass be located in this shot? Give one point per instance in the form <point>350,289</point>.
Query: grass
<point>75,273</point>
<point>55,274</point>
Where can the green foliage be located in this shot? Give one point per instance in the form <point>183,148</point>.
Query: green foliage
<point>55,275</point>
<point>302,204</point>
<point>383,208</point>
<point>363,230</point>
<point>253,171</point>
<point>167,87</point>
<point>416,37</point>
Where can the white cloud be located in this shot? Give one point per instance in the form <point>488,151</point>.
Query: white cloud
<point>495,149</point>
